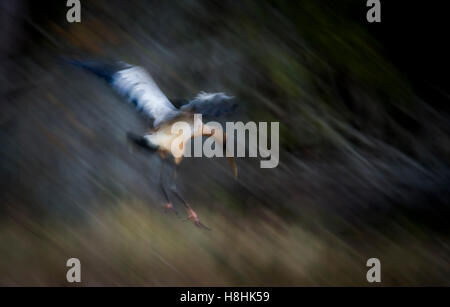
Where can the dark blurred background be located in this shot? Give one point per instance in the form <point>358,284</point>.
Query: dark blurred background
<point>364,140</point>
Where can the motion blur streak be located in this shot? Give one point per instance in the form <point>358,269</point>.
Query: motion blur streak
<point>364,148</point>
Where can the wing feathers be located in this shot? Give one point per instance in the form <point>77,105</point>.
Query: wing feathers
<point>211,104</point>
<point>135,84</point>
<point>140,88</point>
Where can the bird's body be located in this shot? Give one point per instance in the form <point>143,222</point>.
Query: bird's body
<point>165,137</point>
<point>139,88</point>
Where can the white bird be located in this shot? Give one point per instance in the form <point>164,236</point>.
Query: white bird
<point>139,88</point>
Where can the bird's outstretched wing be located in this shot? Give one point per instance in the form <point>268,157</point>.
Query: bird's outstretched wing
<point>137,86</point>
<point>211,104</point>
<point>140,88</point>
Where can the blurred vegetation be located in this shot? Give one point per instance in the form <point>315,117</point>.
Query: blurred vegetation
<point>363,168</point>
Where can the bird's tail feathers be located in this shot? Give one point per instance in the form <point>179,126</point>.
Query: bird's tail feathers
<point>138,141</point>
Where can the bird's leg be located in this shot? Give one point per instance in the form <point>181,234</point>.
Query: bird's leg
<point>168,206</point>
<point>192,215</point>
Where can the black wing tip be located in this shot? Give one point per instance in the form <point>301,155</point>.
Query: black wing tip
<point>101,68</point>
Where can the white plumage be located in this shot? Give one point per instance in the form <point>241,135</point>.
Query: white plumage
<point>140,88</point>
<point>208,96</point>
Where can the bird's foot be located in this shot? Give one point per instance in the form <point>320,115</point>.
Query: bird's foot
<point>169,207</point>
<point>194,217</point>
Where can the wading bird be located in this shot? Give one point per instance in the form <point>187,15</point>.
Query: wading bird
<point>139,88</point>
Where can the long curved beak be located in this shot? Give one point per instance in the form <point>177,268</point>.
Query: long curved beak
<point>233,166</point>
<point>221,137</point>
